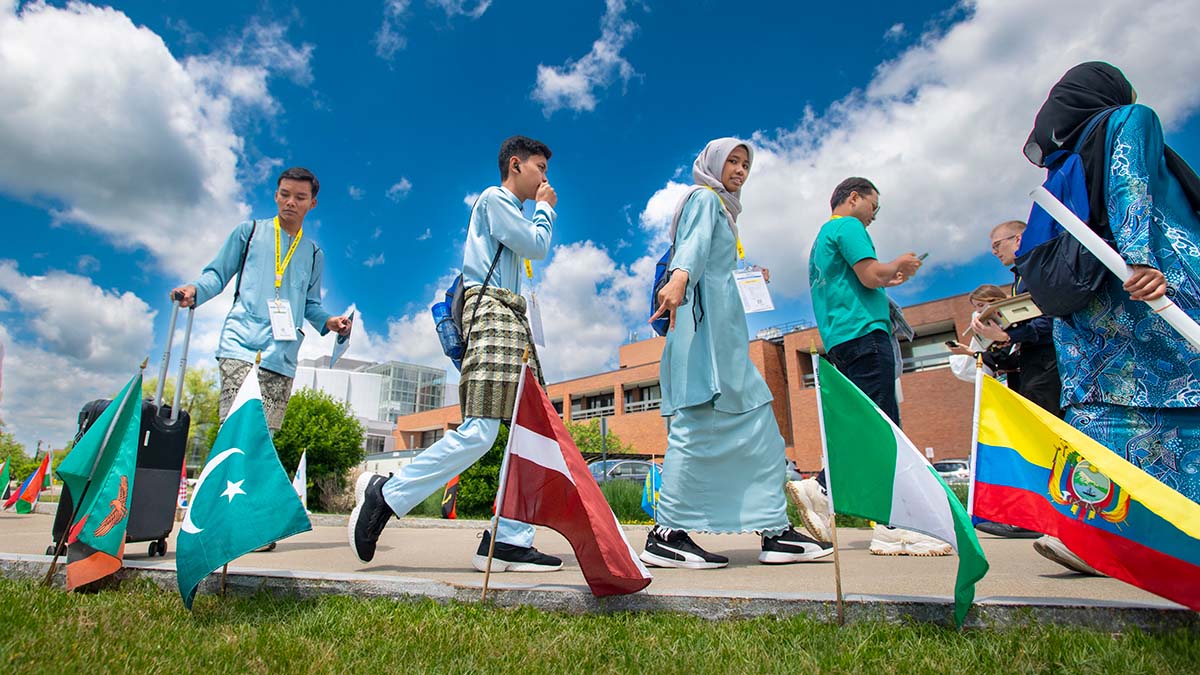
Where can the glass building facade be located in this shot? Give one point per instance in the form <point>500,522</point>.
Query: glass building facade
<point>408,389</point>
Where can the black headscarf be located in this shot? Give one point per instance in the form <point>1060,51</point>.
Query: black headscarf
<point>1089,89</point>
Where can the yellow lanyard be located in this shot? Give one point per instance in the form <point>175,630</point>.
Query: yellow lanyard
<point>528,268</point>
<point>279,269</point>
<point>741,252</point>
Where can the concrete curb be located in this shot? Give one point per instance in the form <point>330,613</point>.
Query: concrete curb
<point>994,612</point>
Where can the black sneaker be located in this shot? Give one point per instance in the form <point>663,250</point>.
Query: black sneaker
<point>509,558</point>
<point>370,515</point>
<point>792,547</point>
<point>1008,531</point>
<point>674,548</point>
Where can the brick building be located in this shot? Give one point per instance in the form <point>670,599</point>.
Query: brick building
<point>935,411</point>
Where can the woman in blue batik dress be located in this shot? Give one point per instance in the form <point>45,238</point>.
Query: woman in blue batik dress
<point>725,467</point>
<point>1130,381</point>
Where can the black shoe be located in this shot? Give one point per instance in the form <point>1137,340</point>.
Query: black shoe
<point>509,558</point>
<point>792,547</point>
<point>674,548</point>
<point>370,515</point>
<point>1002,530</point>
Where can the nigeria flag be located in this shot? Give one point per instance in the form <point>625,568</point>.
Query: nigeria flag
<point>875,472</point>
<point>243,499</point>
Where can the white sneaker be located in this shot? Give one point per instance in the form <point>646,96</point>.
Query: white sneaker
<point>813,504</point>
<point>1054,549</point>
<point>895,541</point>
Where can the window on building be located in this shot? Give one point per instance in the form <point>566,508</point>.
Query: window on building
<point>375,444</point>
<point>926,351</point>
<point>558,406</point>
<point>430,437</point>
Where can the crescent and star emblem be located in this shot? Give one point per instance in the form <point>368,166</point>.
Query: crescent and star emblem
<point>188,526</point>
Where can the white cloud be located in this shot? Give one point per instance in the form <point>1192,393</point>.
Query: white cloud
<point>376,234</point>
<point>426,235</point>
<point>79,342</point>
<point>895,32</point>
<point>374,260</point>
<point>470,198</point>
<point>176,177</point>
<point>399,190</point>
<point>466,8</point>
<point>86,264</point>
<point>574,85</point>
<point>356,193</point>
<point>940,128</point>
<point>655,219</point>
<point>390,38</point>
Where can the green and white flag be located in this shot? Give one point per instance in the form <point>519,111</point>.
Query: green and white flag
<point>875,472</point>
<point>243,499</point>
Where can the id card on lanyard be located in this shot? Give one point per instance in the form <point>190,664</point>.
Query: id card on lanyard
<point>283,325</point>
<point>535,311</point>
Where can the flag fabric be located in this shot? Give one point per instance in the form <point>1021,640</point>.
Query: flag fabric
<point>1035,471</point>
<point>300,481</point>
<point>4,478</point>
<point>545,481</point>
<point>450,500</point>
<point>11,500</point>
<point>27,496</point>
<point>99,472</point>
<point>876,472</point>
<point>650,490</point>
<point>181,501</point>
<point>242,500</point>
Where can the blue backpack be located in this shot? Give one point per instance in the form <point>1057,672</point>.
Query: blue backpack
<point>661,277</point>
<point>1060,274</point>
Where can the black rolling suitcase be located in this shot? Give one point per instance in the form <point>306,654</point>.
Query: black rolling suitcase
<point>161,448</point>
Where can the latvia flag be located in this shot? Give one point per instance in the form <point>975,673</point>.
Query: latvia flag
<point>546,482</point>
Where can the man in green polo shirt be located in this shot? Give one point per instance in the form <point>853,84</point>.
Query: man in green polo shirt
<point>855,324</point>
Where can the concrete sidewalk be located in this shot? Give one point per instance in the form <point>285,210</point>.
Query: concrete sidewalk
<point>435,560</point>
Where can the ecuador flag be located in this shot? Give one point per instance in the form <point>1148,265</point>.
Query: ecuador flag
<point>1035,471</point>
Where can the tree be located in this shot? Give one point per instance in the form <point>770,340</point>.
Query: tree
<point>21,465</point>
<point>587,438</point>
<point>477,485</point>
<point>201,399</point>
<point>327,429</point>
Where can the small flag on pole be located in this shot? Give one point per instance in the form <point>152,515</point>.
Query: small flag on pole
<point>182,501</point>
<point>650,492</point>
<point>876,472</point>
<point>99,473</point>
<point>242,500</point>
<point>1034,470</point>
<point>450,500</point>
<point>26,497</point>
<point>4,478</point>
<point>545,481</point>
<point>300,481</point>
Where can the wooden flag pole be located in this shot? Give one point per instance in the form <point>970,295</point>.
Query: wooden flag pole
<point>224,574</point>
<point>837,562</point>
<point>62,540</point>
<point>487,571</point>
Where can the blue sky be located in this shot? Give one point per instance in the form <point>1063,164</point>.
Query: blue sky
<point>132,148</point>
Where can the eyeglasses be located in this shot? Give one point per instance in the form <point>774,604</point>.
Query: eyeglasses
<point>874,204</point>
<point>996,244</point>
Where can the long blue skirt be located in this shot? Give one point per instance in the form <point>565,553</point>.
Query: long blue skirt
<point>723,472</point>
<point>1163,442</point>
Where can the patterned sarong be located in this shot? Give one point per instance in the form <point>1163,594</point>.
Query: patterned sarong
<point>496,342</point>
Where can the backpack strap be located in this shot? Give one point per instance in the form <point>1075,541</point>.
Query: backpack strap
<point>479,299</point>
<point>237,290</point>
<point>1094,122</point>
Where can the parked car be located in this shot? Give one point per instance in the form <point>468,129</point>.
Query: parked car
<point>634,470</point>
<point>953,470</point>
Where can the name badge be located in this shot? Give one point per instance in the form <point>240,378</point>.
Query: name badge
<point>752,288</point>
<point>535,320</point>
<point>282,326</point>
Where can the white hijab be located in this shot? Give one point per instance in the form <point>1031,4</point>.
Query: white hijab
<point>706,172</point>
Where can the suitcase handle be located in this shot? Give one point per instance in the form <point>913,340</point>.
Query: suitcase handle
<point>166,358</point>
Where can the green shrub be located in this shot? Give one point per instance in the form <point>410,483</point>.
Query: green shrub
<point>625,498</point>
<point>431,507</point>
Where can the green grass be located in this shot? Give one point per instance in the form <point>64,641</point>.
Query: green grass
<point>142,629</point>
<point>625,498</point>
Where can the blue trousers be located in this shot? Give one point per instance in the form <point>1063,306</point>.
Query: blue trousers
<point>451,455</point>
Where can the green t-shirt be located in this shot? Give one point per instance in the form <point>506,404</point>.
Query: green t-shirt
<point>844,308</point>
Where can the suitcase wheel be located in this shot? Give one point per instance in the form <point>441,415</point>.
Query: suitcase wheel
<point>50,549</point>
<point>158,547</point>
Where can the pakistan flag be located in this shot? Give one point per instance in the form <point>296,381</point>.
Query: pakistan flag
<point>243,499</point>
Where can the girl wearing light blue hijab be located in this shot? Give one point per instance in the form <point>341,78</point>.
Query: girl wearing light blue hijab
<point>724,468</point>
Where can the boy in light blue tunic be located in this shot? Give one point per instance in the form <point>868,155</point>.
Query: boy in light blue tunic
<point>497,333</point>
<point>273,261</point>
<point>725,466</point>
